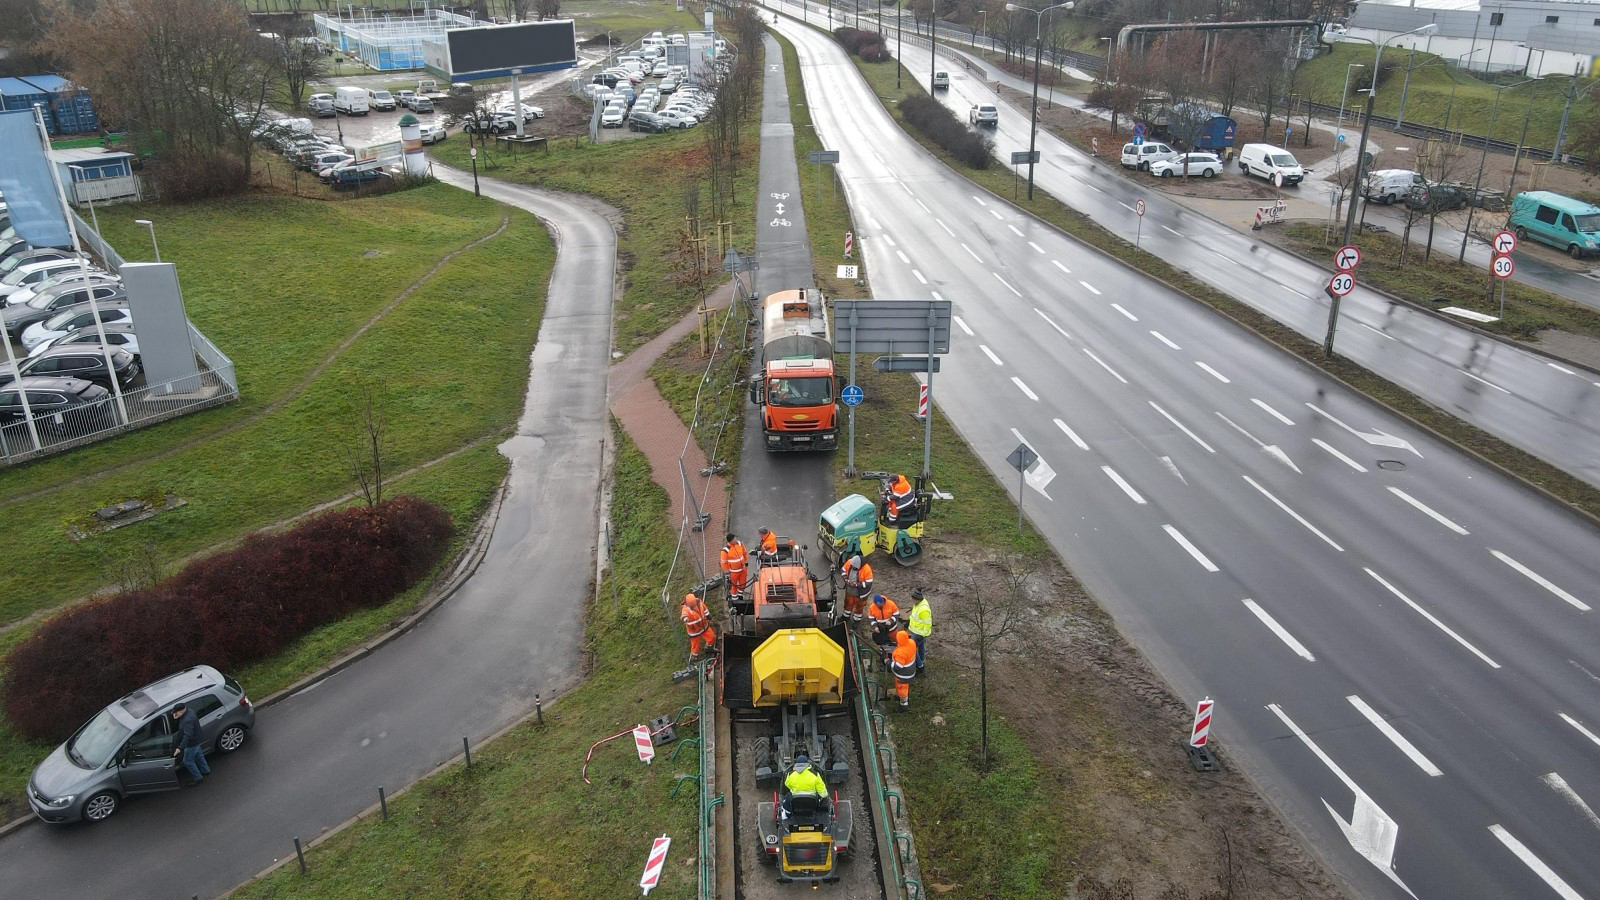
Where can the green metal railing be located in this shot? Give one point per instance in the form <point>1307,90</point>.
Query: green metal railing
<point>708,803</point>
<point>875,731</point>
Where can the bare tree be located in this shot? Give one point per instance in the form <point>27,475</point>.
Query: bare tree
<point>1264,87</point>
<point>364,442</point>
<point>990,613</point>
<point>547,9</point>
<point>1230,71</point>
<point>301,61</point>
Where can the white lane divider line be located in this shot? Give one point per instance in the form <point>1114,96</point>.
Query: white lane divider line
<point>1540,580</point>
<point>1339,456</point>
<point>962,324</point>
<point>1126,487</point>
<point>1035,246</point>
<point>918,273</point>
<point>924,207</point>
<point>1395,737</point>
<point>1118,308</point>
<point>971,253</point>
<point>903,257</point>
<point>945,227</point>
<point>1057,264</point>
<point>1006,283</point>
<point>1272,412</point>
<point>1569,720</point>
<point>1560,368</point>
<point>1546,873</point>
<point>1560,786</point>
<point>1165,340</point>
<point>888,240</point>
<point>908,189</point>
<point>1181,427</point>
<point>990,353</point>
<point>1091,288</point>
<point>1193,550</point>
<point>1095,189</point>
<point>1296,291</point>
<point>1433,619</point>
<point>1282,633</point>
<point>1018,382</point>
<point>1014,230</point>
<point>1297,517</point>
<point>1052,323</point>
<point>1485,381</point>
<point>936,296</point>
<point>1382,334</point>
<point>1040,476</point>
<point>1179,234</point>
<point>1125,206</point>
<point>996,214</point>
<point>1103,365</point>
<point>979,199</point>
<point>1425,510</point>
<point>1173,468</point>
<point>1214,373</point>
<point>1082,446</point>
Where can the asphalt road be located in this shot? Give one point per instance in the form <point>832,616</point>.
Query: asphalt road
<point>1400,641</point>
<point>468,670</point>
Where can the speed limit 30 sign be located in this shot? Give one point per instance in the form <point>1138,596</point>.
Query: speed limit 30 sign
<point>1504,243</point>
<point>1341,284</point>
<point>1503,266</point>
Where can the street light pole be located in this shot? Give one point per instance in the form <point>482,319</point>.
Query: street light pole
<point>152,226</point>
<point>1344,92</point>
<point>474,154</point>
<point>1038,44</point>
<point>899,44</point>
<point>933,41</point>
<point>93,219</point>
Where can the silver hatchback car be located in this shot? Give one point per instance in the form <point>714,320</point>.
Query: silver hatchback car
<point>127,748</point>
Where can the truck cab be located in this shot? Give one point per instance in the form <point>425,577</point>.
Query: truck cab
<point>797,389</point>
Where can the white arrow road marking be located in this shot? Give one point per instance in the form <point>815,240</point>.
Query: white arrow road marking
<point>1297,517</point>
<point>1395,737</point>
<point>1540,580</point>
<point>1428,511</point>
<point>1431,618</point>
<point>1578,725</point>
<point>1381,438</point>
<point>1272,450</point>
<point>1126,487</point>
<point>1555,882</point>
<point>1370,831</point>
<point>1173,468</point>
<point>1180,426</point>
<point>1282,633</point>
<point>1052,322</point>
<point>1079,441</point>
<point>1560,786</point>
<point>1040,476</point>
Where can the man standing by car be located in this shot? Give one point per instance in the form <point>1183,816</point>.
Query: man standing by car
<point>194,759</point>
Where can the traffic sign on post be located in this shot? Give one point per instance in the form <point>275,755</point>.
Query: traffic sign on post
<point>1347,258</point>
<point>1138,207</point>
<point>852,395</point>
<point>1503,266</point>
<point>1504,243</point>
<point>1018,157</point>
<point>1341,284</point>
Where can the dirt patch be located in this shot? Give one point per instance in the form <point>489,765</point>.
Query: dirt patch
<point>1107,731</point>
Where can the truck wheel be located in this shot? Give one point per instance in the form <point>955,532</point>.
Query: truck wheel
<point>764,753</point>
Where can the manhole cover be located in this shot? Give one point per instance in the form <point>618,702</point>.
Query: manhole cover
<point>1393,465</point>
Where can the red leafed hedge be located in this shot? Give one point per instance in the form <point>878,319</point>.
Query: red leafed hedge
<point>869,45</point>
<point>226,611</point>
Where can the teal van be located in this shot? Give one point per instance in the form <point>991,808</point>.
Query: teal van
<point>1561,222</point>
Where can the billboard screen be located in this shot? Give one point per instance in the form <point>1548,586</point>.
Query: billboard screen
<point>534,46</point>
<point>702,53</point>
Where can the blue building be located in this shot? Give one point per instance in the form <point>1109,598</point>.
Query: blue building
<point>67,110</point>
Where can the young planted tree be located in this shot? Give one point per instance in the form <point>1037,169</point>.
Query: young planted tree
<point>364,442</point>
<point>990,614</point>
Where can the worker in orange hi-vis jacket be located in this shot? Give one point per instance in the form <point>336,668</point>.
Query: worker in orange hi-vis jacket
<point>904,666</point>
<point>735,564</point>
<point>697,624</point>
<point>767,546</point>
<point>857,575</point>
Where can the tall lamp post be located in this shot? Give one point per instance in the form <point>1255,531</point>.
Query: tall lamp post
<point>152,226</point>
<point>1344,93</point>
<point>1361,158</point>
<point>984,19</point>
<point>933,41</point>
<point>899,44</point>
<point>474,154</point>
<point>1038,46</point>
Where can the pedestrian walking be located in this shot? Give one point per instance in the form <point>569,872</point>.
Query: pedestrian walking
<point>697,624</point>
<point>904,666</point>
<point>735,564</point>
<point>194,759</point>
<point>881,613</point>
<point>857,576</point>
<point>920,626</point>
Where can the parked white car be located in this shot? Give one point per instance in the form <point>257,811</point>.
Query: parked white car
<point>433,134</point>
<point>1143,156</point>
<point>1204,165</point>
<point>613,116</point>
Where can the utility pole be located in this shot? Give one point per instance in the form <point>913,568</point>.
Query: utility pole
<point>1566,111</point>
<point>933,42</point>
<point>1516,155</point>
<point>1494,111</point>
<point>1400,114</point>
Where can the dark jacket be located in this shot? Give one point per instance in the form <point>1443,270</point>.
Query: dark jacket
<point>188,730</point>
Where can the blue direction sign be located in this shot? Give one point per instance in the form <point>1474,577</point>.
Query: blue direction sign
<point>852,395</point>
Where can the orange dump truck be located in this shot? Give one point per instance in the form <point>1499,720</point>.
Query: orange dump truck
<point>797,393</point>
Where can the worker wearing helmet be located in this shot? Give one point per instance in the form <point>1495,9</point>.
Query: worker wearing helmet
<point>904,666</point>
<point>920,625</point>
<point>697,624</point>
<point>767,548</point>
<point>735,564</point>
<point>881,613</point>
<point>857,575</point>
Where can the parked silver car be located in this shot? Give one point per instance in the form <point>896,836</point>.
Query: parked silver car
<point>127,748</point>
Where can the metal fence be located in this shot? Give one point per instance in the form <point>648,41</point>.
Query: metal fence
<point>95,244</point>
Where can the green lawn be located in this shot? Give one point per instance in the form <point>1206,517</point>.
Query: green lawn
<point>520,822</point>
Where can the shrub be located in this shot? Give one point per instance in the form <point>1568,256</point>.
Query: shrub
<point>226,610</point>
<point>941,126</point>
<point>868,45</point>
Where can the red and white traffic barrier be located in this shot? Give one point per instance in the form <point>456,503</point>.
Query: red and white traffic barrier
<point>653,864</point>
<point>922,401</point>
<point>1201,732</point>
<point>849,243</point>
<point>645,746</point>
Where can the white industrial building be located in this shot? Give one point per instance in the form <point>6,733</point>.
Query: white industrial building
<point>1541,37</point>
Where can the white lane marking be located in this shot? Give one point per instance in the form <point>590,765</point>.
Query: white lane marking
<point>1014,230</point>
<point>873,224</point>
<point>1006,283</point>
<point>1018,382</point>
<point>1540,580</point>
<point>937,297</point>
<point>1218,375</point>
<point>980,200</point>
<point>1370,831</point>
<point>1282,633</point>
<point>1395,737</point>
<point>1103,365</point>
<point>1377,332</point>
<point>1052,323</point>
<point>1485,381</point>
<point>970,252</point>
<point>1272,450</point>
<point>1193,550</point>
<point>1381,438</point>
<point>1560,368</point>
<point>1425,510</point>
<point>1340,456</point>
<point>918,273</point>
<point>903,257</point>
<point>1296,291</point>
<point>1560,786</point>
<point>1035,246</point>
<point>1081,445</point>
<point>1272,412</point>
<point>1297,517</point>
<point>996,214</point>
<point>1173,468</point>
<point>1546,873</point>
<point>961,323</point>
<point>1165,340</point>
<point>1125,206</point>
<point>924,207</point>
<point>1057,264</point>
<point>1180,426</point>
<point>888,240</point>
<point>1095,189</point>
<point>908,188</point>
<point>1126,487</point>
<point>1091,288</point>
<point>945,227</point>
<point>1570,721</point>
<point>1174,232</point>
<point>990,353</point>
<point>1431,618</point>
<point>1118,308</point>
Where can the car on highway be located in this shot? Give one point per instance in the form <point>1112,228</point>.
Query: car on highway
<point>76,361</point>
<point>1143,156</point>
<point>433,134</point>
<point>1202,165</point>
<point>74,318</point>
<point>118,334</point>
<point>984,115</point>
<point>60,406</point>
<point>126,748</point>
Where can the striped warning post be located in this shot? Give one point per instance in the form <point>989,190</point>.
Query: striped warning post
<point>922,401</point>
<point>652,865</point>
<point>642,741</point>
<point>1201,732</point>
<point>849,243</point>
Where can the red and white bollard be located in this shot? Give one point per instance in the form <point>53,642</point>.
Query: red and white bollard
<point>1257,225</point>
<point>646,746</point>
<point>922,403</point>
<point>849,244</point>
<point>1199,744</point>
<point>653,864</point>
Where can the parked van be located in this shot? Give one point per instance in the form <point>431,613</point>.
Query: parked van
<point>941,80</point>
<point>380,100</point>
<point>1265,161</point>
<point>1140,156</point>
<point>1561,222</point>
<point>321,106</point>
<point>1391,185</point>
<point>352,101</point>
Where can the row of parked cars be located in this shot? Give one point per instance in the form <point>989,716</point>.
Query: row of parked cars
<point>332,162</point>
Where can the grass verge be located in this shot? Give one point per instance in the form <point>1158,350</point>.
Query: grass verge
<point>520,822</point>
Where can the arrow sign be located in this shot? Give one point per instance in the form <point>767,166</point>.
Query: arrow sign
<point>1379,438</point>
<point>1504,243</point>
<point>1503,266</point>
<point>1347,258</point>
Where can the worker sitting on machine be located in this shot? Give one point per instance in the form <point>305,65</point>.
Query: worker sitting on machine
<point>767,547</point>
<point>900,501</point>
<point>806,785</point>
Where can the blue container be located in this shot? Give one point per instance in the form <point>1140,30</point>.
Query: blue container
<point>67,111</point>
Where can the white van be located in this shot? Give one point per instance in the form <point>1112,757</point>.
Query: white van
<point>352,101</point>
<point>1265,161</point>
<point>1140,156</point>
<point>1391,185</point>
<point>941,80</point>
<point>380,100</point>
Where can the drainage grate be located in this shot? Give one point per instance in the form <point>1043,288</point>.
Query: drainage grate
<point>1393,465</point>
